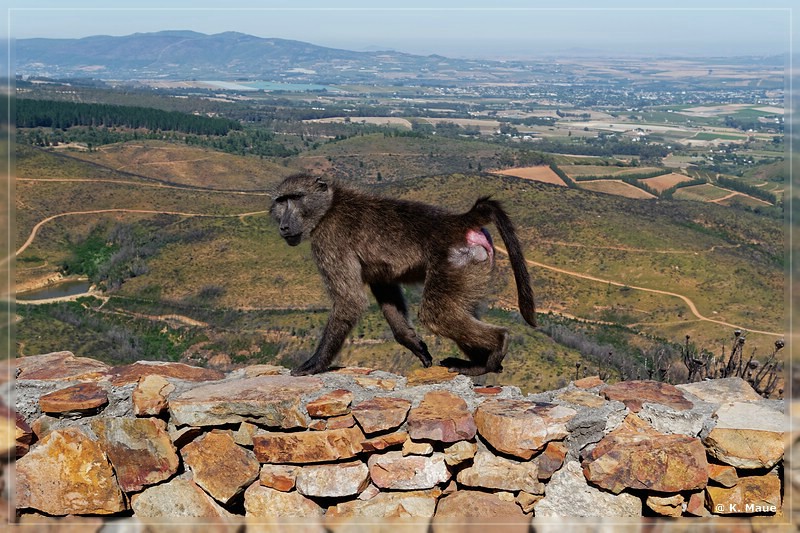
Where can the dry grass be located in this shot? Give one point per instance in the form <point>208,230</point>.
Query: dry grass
<point>619,188</point>
<point>188,165</point>
<point>662,183</point>
<point>538,173</point>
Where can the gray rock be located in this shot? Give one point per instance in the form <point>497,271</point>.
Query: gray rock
<point>721,390</point>
<point>569,495</point>
<point>590,425</point>
<point>668,420</point>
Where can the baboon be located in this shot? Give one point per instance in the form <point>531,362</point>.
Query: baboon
<point>358,239</point>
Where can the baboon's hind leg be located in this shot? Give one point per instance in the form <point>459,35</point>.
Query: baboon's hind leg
<point>393,305</point>
<point>448,308</point>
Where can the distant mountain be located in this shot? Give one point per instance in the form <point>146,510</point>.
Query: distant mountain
<point>223,56</point>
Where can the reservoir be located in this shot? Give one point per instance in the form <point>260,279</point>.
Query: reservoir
<point>59,290</point>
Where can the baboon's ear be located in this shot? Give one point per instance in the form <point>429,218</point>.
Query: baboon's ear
<point>321,184</point>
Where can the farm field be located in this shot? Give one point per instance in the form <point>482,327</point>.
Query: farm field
<point>702,193</point>
<point>378,121</point>
<point>540,173</point>
<point>574,171</point>
<point>662,183</point>
<point>619,188</point>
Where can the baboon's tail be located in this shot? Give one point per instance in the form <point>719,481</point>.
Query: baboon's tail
<point>486,210</point>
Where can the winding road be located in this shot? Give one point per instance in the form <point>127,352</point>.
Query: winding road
<point>687,301</point>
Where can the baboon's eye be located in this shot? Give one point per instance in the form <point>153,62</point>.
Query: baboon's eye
<point>287,197</point>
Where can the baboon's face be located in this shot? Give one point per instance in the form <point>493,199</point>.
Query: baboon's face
<point>300,204</point>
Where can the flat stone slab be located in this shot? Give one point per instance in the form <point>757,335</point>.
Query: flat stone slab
<point>429,376</point>
<point>308,446</point>
<point>59,365</point>
<point>139,448</point>
<point>475,504</point>
<point>491,472</point>
<point>634,393</point>
<point>334,403</point>
<point>260,501</point>
<point>443,417</point>
<point>381,413</point>
<point>121,375</point>
<point>723,390</point>
<point>267,400</point>
<point>67,473</point>
<point>747,435</point>
<point>78,399</point>
<point>521,428</point>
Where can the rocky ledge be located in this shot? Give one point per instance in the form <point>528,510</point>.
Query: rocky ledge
<point>166,439</point>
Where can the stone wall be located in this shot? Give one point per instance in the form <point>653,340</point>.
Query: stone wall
<point>167,440</point>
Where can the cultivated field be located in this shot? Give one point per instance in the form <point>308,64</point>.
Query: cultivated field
<point>662,183</point>
<point>702,193</point>
<point>538,173</point>
<point>378,121</point>
<point>576,171</point>
<point>619,188</point>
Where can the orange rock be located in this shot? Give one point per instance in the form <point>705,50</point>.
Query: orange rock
<point>219,465</point>
<point>441,416</point>
<point>751,495</point>
<point>150,395</point>
<point>382,442</point>
<point>589,382</point>
<point>139,448</point>
<point>79,478</point>
<point>430,375</point>
<point>176,498</point>
<point>666,505</point>
<point>121,375</point>
<point>551,459</point>
<point>78,399</point>
<point>260,501</point>
<point>381,414</point>
<point>488,391</point>
<point>266,400</point>
<point>724,475</point>
<point>638,457</point>
<point>334,403</point>
<point>308,446</point>
<point>279,477</point>
<point>59,365</point>
<point>521,428</point>
<point>473,504</point>
<point>339,422</point>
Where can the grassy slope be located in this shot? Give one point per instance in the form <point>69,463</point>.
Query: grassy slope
<point>245,258</point>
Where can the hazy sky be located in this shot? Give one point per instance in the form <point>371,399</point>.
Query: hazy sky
<point>464,28</point>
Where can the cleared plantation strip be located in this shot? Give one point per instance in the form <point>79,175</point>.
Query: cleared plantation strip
<point>616,187</point>
<point>662,183</point>
<point>741,198</point>
<point>541,173</point>
<point>378,121</point>
<point>577,171</point>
